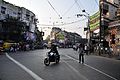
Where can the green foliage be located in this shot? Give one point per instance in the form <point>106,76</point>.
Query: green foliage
<point>60,36</point>
<point>13,29</point>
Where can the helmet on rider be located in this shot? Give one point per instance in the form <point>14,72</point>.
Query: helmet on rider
<point>53,45</point>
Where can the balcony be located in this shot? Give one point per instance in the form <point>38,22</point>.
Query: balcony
<point>114,23</point>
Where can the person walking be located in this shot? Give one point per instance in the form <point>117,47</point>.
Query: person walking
<point>86,49</point>
<point>81,53</point>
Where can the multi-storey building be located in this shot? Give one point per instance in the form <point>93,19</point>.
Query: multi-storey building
<point>107,14</point>
<point>28,17</point>
<point>109,29</point>
<point>108,10</point>
<point>114,33</point>
<point>8,10</point>
<point>64,38</point>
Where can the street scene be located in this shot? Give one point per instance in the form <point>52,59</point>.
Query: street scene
<point>18,66</point>
<point>59,40</point>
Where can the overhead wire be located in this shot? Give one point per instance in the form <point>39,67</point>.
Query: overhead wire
<point>78,5</point>
<point>81,3</point>
<point>63,24</point>
<point>53,8</point>
<point>97,3</point>
<point>75,2</point>
<point>73,22</point>
<point>69,9</point>
<point>94,6</point>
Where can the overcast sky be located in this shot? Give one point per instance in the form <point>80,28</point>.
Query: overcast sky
<point>49,12</point>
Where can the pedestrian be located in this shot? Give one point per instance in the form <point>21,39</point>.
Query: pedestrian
<point>81,53</point>
<point>86,49</point>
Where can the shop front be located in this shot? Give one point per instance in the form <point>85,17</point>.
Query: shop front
<point>114,36</point>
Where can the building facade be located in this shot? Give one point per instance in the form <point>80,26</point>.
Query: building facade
<point>10,11</point>
<point>100,22</point>
<point>109,30</point>
<point>114,33</point>
<point>108,10</point>
<point>64,38</point>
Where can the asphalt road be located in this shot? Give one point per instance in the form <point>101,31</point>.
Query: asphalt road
<point>29,66</point>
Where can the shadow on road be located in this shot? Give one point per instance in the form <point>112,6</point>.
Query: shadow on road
<point>53,65</point>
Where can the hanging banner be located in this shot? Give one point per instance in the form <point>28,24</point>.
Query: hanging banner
<point>95,21</point>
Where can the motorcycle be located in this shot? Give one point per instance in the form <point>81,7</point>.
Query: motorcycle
<point>51,57</point>
<point>109,51</point>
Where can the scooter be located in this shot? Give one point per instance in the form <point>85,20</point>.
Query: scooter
<point>51,57</point>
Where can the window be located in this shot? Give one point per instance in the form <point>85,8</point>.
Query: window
<point>27,17</point>
<point>3,9</point>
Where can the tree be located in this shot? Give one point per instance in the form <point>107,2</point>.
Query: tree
<point>13,29</point>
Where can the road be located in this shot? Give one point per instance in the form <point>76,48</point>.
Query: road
<point>29,65</point>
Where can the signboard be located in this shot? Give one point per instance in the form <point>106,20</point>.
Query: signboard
<point>95,21</point>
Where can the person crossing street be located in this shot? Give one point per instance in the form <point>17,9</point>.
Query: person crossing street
<point>81,53</point>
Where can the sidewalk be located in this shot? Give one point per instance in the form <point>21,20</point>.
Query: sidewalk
<point>117,57</point>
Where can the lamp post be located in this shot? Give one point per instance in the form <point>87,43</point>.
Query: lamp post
<point>88,27</point>
<point>88,30</point>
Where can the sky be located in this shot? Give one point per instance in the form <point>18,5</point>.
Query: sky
<point>53,13</point>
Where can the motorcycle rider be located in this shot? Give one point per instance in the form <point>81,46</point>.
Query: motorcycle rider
<point>54,49</point>
<point>52,55</point>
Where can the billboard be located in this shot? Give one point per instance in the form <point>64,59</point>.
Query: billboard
<point>95,21</point>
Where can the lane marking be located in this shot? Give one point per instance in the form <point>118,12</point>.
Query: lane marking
<point>93,68</point>
<point>79,74</point>
<point>35,76</point>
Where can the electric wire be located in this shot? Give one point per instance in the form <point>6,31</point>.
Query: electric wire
<point>73,22</point>
<point>63,23</point>
<point>81,3</point>
<point>96,3</point>
<point>94,6</point>
<point>53,8</point>
<point>69,9</point>
<point>78,5</point>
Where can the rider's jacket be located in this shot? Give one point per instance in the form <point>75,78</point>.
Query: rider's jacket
<point>54,50</point>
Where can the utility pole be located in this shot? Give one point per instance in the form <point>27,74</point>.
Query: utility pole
<point>100,28</point>
<point>88,27</point>
<point>101,36</point>
<point>88,30</point>
<point>89,34</point>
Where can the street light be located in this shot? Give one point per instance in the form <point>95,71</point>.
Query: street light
<point>85,12</point>
<point>88,30</point>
